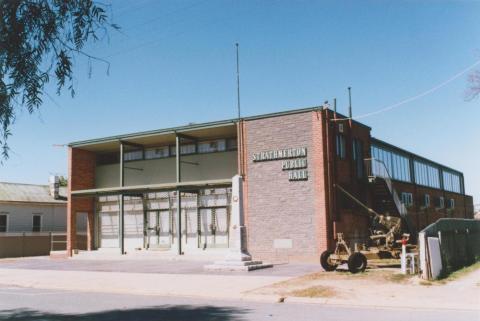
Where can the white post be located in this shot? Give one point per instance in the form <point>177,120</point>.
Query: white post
<point>404,258</point>
<point>237,231</point>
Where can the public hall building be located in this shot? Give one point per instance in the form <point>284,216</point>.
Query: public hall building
<point>300,172</point>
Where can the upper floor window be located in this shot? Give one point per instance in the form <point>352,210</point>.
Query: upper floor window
<point>358,157</point>
<point>185,149</point>
<point>451,182</point>
<point>157,152</point>
<point>37,223</point>
<point>231,144</point>
<point>451,204</point>
<point>427,174</point>
<point>133,155</point>
<point>218,145</point>
<point>440,202</point>
<point>340,144</point>
<point>426,201</point>
<point>3,222</point>
<point>397,163</point>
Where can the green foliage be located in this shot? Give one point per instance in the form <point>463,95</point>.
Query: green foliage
<point>63,181</point>
<point>38,40</point>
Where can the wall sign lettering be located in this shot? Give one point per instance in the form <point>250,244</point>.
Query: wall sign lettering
<point>294,161</point>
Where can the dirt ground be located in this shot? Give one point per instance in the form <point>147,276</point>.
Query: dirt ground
<point>382,286</point>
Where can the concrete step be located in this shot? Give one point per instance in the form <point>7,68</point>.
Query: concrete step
<point>58,254</point>
<point>238,268</point>
<point>238,263</point>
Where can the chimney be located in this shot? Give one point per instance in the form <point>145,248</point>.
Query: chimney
<point>54,184</point>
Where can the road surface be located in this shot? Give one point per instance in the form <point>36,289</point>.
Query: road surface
<point>27,304</point>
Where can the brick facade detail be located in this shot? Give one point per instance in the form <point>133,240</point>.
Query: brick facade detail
<point>285,219</point>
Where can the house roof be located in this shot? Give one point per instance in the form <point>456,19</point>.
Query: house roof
<point>29,193</point>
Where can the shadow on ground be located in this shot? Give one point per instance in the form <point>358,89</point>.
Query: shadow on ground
<point>160,313</point>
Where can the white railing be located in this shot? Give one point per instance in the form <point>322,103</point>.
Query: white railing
<point>377,168</point>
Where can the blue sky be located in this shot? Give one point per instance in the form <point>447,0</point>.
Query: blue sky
<point>174,63</point>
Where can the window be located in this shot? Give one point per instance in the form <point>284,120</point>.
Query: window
<point>232,144</point>
<point>358,157</point>
<point>407,199</point>
<point>340,146</point>
<point>188,149</point>
<point>426,201</point>
<point>440,202</point>
<point>37,223</point>
<point>426,174</point>
<point>397,163</point>
<point>158,152</point>
<point>133,155</point>
<point>3,222</point>
<point>218,145</point>
<point>451,182</point>
<point>451,204</point>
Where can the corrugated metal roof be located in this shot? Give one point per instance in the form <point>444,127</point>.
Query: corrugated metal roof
<point>16,192</point>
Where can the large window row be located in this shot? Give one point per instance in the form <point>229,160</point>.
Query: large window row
<point>452,182</point>
<point>397,164</point>
<point>426,174</point>
<point>203,147</point>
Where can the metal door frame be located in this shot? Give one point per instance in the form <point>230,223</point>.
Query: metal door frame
<point>146,237</point>
<point>205,245</point>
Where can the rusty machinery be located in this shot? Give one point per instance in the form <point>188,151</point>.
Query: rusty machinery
<point>385,241</point>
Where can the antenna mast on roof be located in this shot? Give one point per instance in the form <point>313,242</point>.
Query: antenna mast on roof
<point>238,83</point>
<point>350,102</point>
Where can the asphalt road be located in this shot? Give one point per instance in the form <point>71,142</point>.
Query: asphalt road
<point>25,304</point>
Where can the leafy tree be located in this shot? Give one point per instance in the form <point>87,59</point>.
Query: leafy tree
<point>63,181</point>
<point>38,41</point>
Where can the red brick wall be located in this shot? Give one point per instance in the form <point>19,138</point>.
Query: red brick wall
<point>278,208</point>
<point>81,175</point>
<point>422,217</point>
<point>352,221</point>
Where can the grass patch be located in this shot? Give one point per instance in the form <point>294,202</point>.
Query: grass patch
<point>314,292</point>
<point>460,273</point>
<point>425,283</point>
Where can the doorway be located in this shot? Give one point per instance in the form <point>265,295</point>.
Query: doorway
<point>214,223</point>
<point>158,229</point>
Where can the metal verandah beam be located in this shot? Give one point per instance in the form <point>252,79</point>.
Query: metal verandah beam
<point>121,204</point>
<point>179,197</point>
<point>131,144</point>
<point>186,137</point>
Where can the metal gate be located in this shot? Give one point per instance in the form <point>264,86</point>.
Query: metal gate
<point>158,229</point>
<point>213,227</point>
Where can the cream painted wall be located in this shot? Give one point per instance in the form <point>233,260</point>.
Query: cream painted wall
<point>222,165</point>
<point>20,216</point>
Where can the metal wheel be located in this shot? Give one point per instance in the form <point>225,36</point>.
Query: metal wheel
<point>357,262</point>
<point>326,261</point>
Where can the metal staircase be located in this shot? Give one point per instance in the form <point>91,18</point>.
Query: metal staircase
<point>386,199</point>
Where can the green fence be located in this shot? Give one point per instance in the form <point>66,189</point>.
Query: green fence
<point>459,242</point>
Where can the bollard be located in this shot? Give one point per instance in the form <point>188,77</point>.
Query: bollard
<point>403,258</point>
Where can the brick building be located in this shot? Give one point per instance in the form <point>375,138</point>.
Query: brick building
<point>297,168</point>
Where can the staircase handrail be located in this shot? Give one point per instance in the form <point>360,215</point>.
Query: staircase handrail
<point>380,165</point>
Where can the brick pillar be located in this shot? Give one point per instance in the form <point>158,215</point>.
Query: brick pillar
<point>90,230</point>
<point>71,225</point>
<point>81,175</point>
<point>319,169</point>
